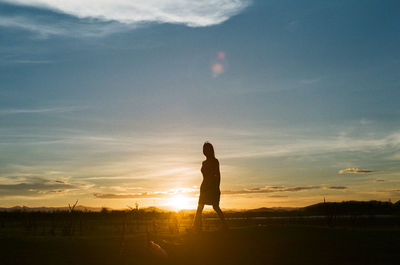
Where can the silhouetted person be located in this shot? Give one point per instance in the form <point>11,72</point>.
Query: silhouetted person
<point>209,189</point>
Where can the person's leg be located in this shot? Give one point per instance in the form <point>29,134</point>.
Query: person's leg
<point>198,218</point>
<point>221,215</point>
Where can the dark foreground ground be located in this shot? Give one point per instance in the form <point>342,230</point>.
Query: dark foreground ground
<point>265,244</point>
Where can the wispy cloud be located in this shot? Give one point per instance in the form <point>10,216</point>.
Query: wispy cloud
<point>354,170</point>
<point>28,61</point>
<point>44,28</point>
<point>365,121</point>
<point>101,17</point>
<point>337,143</point>
<point>143,195</point>
<point>35,186</point>
<point>390,192</point>
<point>271,189</point>
<point>337,188</point>
<point>40,110</point>
<point>193,192</point>
<point>128,196</point>
<point>309,81</point>
<point>30,24</point>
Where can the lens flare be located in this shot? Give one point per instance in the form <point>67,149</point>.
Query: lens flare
<point>221,55</point>
<point>217,69</point>
<point>219,65</point>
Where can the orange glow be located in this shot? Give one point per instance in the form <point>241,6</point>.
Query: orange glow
<point>180,202</point>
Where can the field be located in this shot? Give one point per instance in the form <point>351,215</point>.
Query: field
<point>124,238</point>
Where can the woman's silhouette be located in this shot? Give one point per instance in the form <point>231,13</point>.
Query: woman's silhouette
<point>209,189</point>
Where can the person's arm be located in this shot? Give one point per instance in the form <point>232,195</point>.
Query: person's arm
<point>218,174</point>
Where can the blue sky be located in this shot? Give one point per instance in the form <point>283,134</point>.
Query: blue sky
<point>109,102</point>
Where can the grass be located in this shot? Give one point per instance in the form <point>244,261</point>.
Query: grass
<point>122,238</point>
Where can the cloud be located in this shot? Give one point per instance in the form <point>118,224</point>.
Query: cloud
<point>45,26</point>
<point>193,192</point>
<point>337,143</point>
<point>188,12</point>
<point>143,195</point>
<point>391,192</point>
<point>29,24</point>
<point>310,81</point>
<point>354,170</point>
<point>128,196</point>
<point>337,187</point>
<point>270,189</point>
<point>35,186</point>
<point>41,110</point>
<point>28,61</point>
<point>60,181</point>
<point>293,25</point>
<point>364,121</point>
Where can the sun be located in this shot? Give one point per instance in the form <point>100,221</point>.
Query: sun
<point>180,202</point>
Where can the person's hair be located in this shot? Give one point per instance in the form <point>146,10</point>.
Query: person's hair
<point>208,150</point>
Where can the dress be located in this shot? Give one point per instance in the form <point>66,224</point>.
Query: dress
<point>209,189</point>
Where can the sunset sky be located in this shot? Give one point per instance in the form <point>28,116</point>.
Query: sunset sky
<point>110,102</point>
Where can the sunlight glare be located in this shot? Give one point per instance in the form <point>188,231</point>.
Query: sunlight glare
<point>180,202</point>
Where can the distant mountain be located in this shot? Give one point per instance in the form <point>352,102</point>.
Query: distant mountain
<point>352,208</point>
<point>48,209</point>
<point>323,208</point>
<point>331,208</point>
<point>273,209</point>
<point>77,208</point>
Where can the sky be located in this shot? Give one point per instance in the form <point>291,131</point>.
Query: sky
<point>110,102</point>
